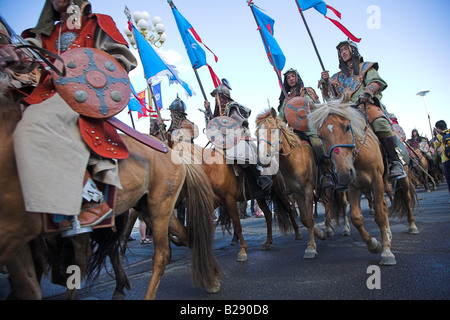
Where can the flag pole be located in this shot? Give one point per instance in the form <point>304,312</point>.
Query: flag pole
<point>314,45</point>
<point>172,5</point>
<point>250,4</point>
<point>131,117</point>
<point>162,127</point>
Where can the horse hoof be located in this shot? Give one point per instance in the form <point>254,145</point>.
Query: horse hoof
<point>298,235</point>
<point>346,232</point>
<point>310,254</point>
<point>374,246</point>
<point>413,230</point>
<point>320,234</point>
<point>214,289</point>
<point>241,257</point>
<point>266,246</point>
<point>118,296</point>
<point>330,232</point>
<point>388,259</point>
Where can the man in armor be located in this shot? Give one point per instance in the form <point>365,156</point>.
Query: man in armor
<point>421,143</point>
<point>51,156</point>
<point>360,83</point>
<point>226,106</point>
<point>293,85</point>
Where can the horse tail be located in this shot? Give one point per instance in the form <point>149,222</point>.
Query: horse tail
<point>282,215</point>
<point>200,229</point>
<point>405,197</point>
<point>105,242</point>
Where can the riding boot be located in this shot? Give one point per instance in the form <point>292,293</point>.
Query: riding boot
<point>264,182</point>
<point>94,208</point>
<point>394,157</point>
<point>327,178</point>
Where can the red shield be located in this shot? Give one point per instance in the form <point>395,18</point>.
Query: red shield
<point>296,110</point>
<point>95,84</point>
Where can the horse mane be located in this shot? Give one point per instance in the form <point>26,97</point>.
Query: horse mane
<point>291,138</point>
<point>336,107</point>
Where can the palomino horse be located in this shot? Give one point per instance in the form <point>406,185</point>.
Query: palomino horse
<point>358,162</point>
<point>150,179</point>
<point>297,166</point>
<point>230,189</point>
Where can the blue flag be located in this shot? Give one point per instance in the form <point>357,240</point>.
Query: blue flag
<point>322,7</point>
<point>196,54</point>
<point>273,49</point>
<point>134,104</point>
<point>154,65</point>
<point>319,5</point>
<point>157,93</point>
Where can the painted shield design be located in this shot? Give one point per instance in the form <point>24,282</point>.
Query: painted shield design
<point>95,84</point>
<point>296,110</point>
<point>223,132</point>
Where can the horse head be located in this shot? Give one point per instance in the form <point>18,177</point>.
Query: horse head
<point>268,134</point>
<point>338,142</point>
<point>340,127</point>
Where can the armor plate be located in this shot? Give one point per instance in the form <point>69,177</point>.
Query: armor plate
<point>95,85</point>
<point>296,110</point>
<point>223,132</point>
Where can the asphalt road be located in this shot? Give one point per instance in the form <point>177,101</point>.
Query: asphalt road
<point>341,271</point>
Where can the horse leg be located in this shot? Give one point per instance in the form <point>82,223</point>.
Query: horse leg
<point>177,232</point>
<point>268,216</point>
<point>346,229</point>
<point>381,218</point>
<point>122,280</point>
<point>237,227</point>
<point>132,217</point>
<point>305,205</point>
<point>161,254</point>
<point>326,195</point>
<point>22,273</point>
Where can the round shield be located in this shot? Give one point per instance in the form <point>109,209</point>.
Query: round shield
<point>296,110</point>
<point>424,147</point>
<point>95,84</point>
<point>223,132</point>
<point>187,131</point>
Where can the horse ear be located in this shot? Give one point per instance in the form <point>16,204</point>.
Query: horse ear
<point>273,112</point>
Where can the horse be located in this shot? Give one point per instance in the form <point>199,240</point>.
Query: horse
<point>297,166</point>
<point>358,162</point>
<point>230,188</point>
<point>151,180</point>
<point>420,167</point>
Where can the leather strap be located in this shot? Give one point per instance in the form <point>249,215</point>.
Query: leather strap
<point>157,145</point>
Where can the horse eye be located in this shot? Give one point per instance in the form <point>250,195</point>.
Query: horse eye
<point>347,128</point>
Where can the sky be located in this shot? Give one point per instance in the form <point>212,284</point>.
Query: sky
<point>408,39</point>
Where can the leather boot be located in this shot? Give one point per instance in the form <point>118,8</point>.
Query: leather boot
<point>395,159</point>
<point>94,209</point>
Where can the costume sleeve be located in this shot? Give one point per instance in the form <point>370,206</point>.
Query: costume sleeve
<point>438,141</point>
<point>372,76</point>
<point>119,51</point>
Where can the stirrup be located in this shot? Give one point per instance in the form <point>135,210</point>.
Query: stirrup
<point>76,229</point>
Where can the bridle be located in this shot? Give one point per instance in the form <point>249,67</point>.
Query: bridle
<point>352,145</point>
<point>343,145</point>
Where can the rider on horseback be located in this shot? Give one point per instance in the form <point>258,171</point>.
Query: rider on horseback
<point>226,106</point>
<point>294,86</point>
<point>360,83</point>
<point>51,156</point>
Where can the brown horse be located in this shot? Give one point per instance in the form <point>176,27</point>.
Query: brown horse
<point>150,179</point>
<point>358,162</point>
<point>229,189</point>
<point>297,166</point>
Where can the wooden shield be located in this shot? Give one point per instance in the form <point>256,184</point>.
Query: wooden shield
<point>95,84</point>
<point>296,110</point>
<point>223,132</point>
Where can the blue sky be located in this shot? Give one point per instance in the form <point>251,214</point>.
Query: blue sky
<point>410,43</point>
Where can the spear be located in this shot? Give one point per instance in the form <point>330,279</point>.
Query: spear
<point>314,45</point>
